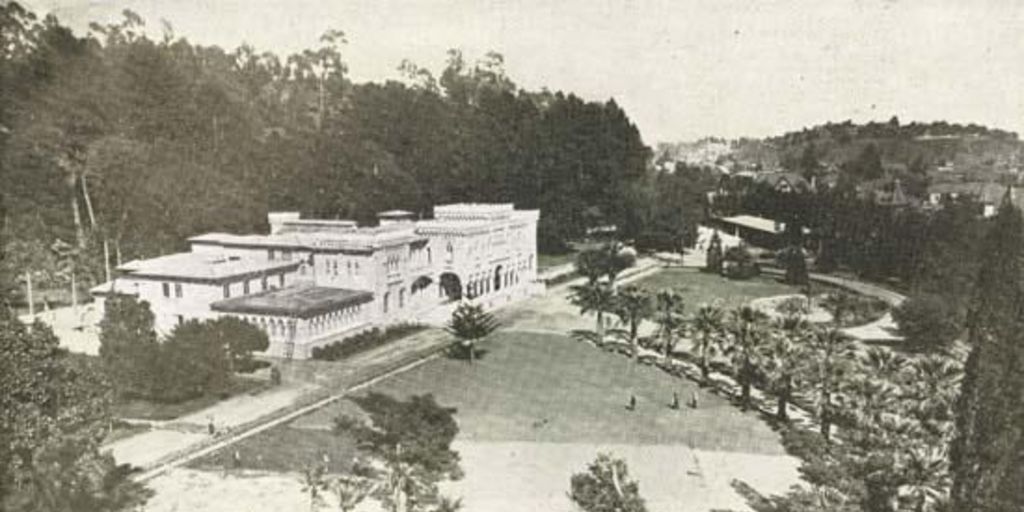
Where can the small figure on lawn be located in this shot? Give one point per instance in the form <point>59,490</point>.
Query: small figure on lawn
<point>632,403</point>
<point>675,401</point>
<point>693,400</point>
<point>210,428</point>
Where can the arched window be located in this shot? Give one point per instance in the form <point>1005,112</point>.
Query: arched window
<point>385,303</point>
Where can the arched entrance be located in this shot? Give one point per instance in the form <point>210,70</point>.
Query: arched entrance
<point>497,278</point>
<point>451,285</point>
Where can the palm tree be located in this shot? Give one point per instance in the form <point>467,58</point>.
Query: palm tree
<point>469,324</point>
<point>839,304</point>
<point>882,363</point>
<point>707,326</point>
<point>935,381</point>
<point>594,297</point>
<point>783,358</point>
<point>633,305</point>
<point>314,484</point>
<point>746,335</point>
<point>828,359</point>
<point>352,490</point>
<point>668,312</point>
<point>925,476</point>
<point>592,264</point>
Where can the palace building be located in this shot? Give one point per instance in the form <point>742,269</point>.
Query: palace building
<point>312,282</point>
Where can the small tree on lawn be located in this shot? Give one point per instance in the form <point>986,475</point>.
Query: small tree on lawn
<point>713,263</point>
<point>469,324</point>
<point>606,487</point>
<point>408,446</point>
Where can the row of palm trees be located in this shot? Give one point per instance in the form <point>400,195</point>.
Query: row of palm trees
<point>884,403</point>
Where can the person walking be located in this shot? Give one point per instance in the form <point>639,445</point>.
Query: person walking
<point>632,403</point>
<point>675,401</point>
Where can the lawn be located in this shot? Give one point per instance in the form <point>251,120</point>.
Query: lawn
<point>531,388</point>
<point>148,410</point>
<point>699,287</point>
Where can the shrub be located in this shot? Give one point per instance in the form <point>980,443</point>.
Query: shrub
<point>740,264</point>
<point>927,321</point>
<point>792,259</point>
<point>714,255</point>
<point>363,341</point>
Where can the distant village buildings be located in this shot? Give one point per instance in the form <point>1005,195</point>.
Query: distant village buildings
<point>310,282</point>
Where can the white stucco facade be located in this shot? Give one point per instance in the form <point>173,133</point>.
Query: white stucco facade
<point>311,282</point>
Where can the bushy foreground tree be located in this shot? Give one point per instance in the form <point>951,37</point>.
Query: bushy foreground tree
<point>605,486</point>
<point>407,446</point>
<point>53,416</point>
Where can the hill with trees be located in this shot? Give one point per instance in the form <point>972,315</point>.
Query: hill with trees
<point>115,143</point>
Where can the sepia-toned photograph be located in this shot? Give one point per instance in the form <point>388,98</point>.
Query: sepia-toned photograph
<point>511,256</point>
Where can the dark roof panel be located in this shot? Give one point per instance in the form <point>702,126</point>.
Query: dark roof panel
<point>301,301</point>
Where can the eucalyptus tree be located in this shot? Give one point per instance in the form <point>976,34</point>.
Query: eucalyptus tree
<point>747,333</point>
<point>707,325</point>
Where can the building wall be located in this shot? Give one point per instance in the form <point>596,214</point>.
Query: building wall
<point>495,265</point>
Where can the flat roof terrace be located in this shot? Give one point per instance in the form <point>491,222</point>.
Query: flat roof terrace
<point>203,267</point>
<point>299,301</point>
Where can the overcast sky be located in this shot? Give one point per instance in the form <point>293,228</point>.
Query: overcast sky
<point>682,69</point>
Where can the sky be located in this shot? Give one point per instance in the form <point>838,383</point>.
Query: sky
<point>682,69</point>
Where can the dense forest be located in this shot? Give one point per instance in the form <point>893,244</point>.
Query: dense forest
<point>115,143</point>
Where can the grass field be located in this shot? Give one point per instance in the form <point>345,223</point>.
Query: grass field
<point>700,288</point>
<point>531,388</point>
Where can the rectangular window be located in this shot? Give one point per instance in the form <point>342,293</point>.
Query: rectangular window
<point>263,283</point>
<point>167,289</point>
<point>181,319</point>
<point>245,287</point>
<point>227,290</point>
<point>271,255</point>
<point>281,279</point>
<point>177,290</point>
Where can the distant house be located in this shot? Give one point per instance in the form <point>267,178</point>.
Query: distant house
<point>885,192</point>
<point>988,194</point>
<point>784,181</point>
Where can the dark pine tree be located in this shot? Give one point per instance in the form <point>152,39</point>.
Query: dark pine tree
<point>987,455</point>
